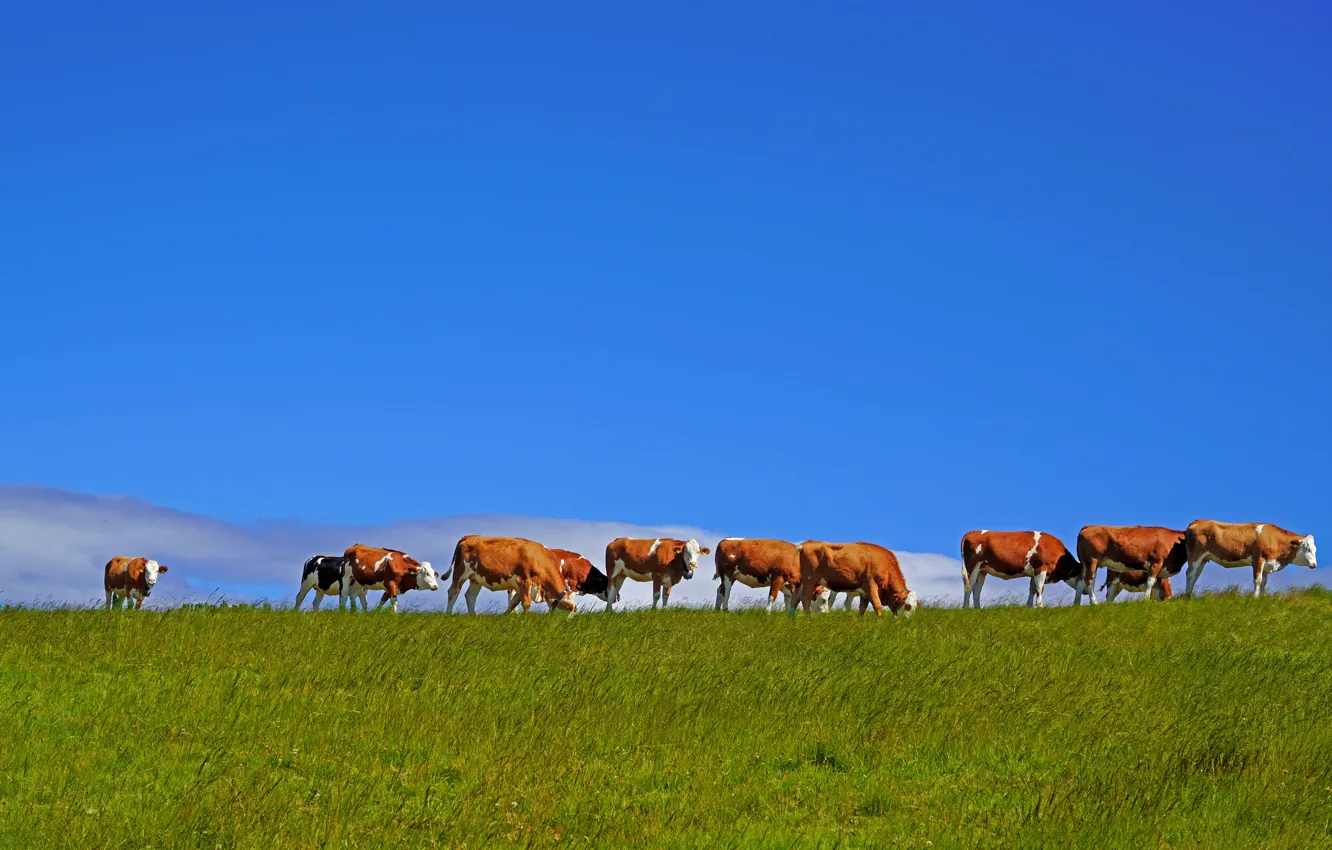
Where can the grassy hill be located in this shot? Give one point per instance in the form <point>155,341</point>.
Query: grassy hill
<point>1203,723</point>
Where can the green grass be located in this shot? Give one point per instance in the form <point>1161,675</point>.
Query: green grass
<point>1202,723</point>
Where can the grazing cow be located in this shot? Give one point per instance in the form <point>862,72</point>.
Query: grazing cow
<point>130,578</point>
<point>508,563</point>
<point>1129,547</point>
<point>388,570</point>
<point>664,561</point>
<point>855,566</point>
<point>1014,554</point>
<point>326,575</point>
<point>774,564</point>
<point>581,576</point>
<point>1263,546</point>
<point>1134,581</point>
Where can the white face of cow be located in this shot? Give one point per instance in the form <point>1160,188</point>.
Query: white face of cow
<point>910,605</point>
<point>690,555</point>
<point>820,603</point>
<point>1307,553</point>
<point>426,579</point>
<point>150,571</point>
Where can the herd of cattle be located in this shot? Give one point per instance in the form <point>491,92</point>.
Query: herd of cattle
<point>1139,559</point>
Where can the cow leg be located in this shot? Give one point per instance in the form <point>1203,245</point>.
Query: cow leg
<point>656,592</point>
<point>138,603</point>
<point>775,589</point>
<point>473,591</point>
<point>966,587</point>
<point>849,602</point>
<point>1089,571</point>
<point>513,602</point>
<point>977,582</point>
<point>454,590</point>
<point>306,586</point>
<point>1195,572</point>
<point>109,597</point>
<point>721,593</point>
<point>1112,589</point>
<point>1153,575</point>
<point>874,600</point>
<point>665,592</point>
<point>864,604</point>
<point>612,586</point>
<point>1266,573</point>
<point>1259,577</point>
<point>319,597</point>
<point>1038,588</point>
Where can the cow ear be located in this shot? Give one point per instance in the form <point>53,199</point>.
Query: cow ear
<point>705,551</point>
<point>163,568</point>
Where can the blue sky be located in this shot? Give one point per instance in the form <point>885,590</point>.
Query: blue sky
<point>781,269</point>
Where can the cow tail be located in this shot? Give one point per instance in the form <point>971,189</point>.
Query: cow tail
<point>454,564</point>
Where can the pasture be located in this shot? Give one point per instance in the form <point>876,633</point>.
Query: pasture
<point>1193,723</point>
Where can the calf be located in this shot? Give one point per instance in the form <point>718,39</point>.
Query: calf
<point>774,564</point>
<point>508,563</point>
<point>1158,551</point>
<point>326,575</point>
<point>388,570</point>
<point>1264,547</point>
<point>855,566</point>
<point>664,561</point>
<point>825,600</point>
<point>129,578</point>
<point>1014,554</point>
<point>1134,581</point>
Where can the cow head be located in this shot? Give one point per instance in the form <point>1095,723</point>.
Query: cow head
<point>687,553</point>
<point>595,584</point>
<point>567,602</point>
<point>1304,553</point>
<point>906,605</point>
<point>821,603</point>
<point>150,571</point>
<point>1067,569</point>
<point>426,579</point>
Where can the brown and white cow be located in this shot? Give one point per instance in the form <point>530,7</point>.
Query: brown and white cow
<point>664,561</point>
<point>774,564</point>
<point>130,578</point>
<point>508,563</point>
<point>1156,550</point>
<point>855,566</point>
<point>1036,555</point>
<point>389,570</point>
<point>1264,547</point>
<point>1134,581</point>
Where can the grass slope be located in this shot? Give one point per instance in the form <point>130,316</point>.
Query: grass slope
<point>1202,723</point>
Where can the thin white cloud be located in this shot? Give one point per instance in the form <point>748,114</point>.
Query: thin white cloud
<point>54,543</point>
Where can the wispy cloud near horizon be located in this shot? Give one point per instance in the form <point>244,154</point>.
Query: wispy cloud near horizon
<point>53,544</point>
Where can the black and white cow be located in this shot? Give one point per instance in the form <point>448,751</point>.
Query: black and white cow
<point>326,575</point>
